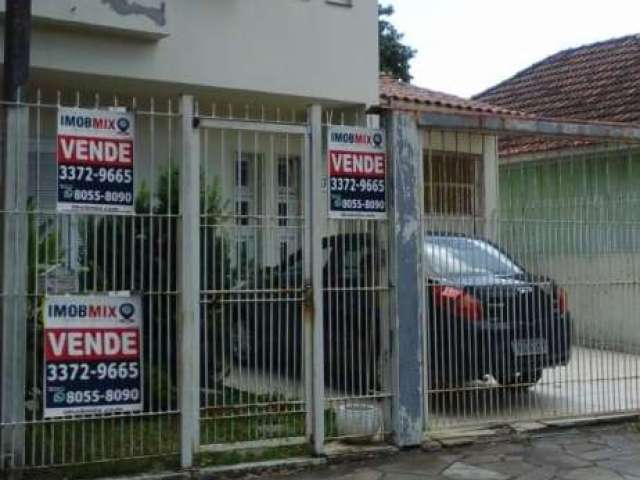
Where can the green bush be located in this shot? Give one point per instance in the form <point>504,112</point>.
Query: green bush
<point>140,254</point>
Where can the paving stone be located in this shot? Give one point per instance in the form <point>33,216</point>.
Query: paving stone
<point>420,463</point>
<point>556,458</point>
<point>463,471</point>
<point>481,458</point>
<point>540,473</point>
<point>580,447</point>
<point>361,474</point>
<point>603,453</point>
<point>592,473</point>
<point>511,468</point>
<point>629,464</point>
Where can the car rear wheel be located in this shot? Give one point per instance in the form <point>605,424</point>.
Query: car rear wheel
<point>521,380</point>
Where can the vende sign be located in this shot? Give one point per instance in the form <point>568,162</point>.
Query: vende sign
<point>357,167</point>
<point>92,354</point>
<point>95,153</point>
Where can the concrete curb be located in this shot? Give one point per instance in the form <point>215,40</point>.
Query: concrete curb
<point>237,469</point>
<point>256,467</point>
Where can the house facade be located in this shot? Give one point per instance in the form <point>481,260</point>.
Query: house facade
<point>459,168</point>
<point>595,82</point>
<point>588,189</point>
<point>265,61</point>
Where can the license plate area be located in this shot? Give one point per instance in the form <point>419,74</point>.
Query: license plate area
<point>528,347</point>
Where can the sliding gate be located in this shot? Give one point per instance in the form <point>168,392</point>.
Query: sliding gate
<point>531,288</point>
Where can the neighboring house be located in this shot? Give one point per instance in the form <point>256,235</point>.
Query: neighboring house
<point>459,169</point>
<point>579,199</point>
<point>264,60</point>
<point>597,82</point>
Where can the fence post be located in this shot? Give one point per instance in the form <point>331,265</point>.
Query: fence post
<point>491,188</point>
<point>13,283</point>
<point>407,293</point>
<point>189,277</point>
<point>317,225</point>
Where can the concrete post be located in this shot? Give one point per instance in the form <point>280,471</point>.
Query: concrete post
<point>13,282</point>
<point>189,278</point>
<point>318,223</point>
<point>407,292</point>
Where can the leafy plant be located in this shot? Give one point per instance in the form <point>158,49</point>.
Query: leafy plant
<point>395,56</point>
<point>140,254</point>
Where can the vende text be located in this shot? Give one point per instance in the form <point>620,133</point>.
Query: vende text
<point>356,164</point>
<point>91,344</point>
<point>95,151</point>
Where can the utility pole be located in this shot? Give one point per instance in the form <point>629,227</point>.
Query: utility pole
<point>14,129</point>
<point>17,47</point>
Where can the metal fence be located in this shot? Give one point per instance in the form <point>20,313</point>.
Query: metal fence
<point>85,254</point>
<point>251,382</point>
<point>267,324</point>
<point>531,308</point>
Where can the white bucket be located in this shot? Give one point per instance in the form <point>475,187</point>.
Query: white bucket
<point>362,421</point>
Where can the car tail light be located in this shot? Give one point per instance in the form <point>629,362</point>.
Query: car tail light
<point>460,303</point>
<point>561,300</point>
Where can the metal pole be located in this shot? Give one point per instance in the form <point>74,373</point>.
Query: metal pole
<point>13,235</point>
<point>318,230</point>
<point>17,43</point>
<point>189,261</point>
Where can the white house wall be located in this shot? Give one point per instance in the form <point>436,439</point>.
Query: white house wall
<point>311,49</point>
<point>602,297</point>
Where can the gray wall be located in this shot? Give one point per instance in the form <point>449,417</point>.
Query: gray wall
<point>299,48</point>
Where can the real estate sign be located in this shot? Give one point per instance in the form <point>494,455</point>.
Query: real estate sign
<point>357,173</point>
<point>95,154</point>
<point>92,355</point>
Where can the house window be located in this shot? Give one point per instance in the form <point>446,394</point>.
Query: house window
<point>283,177</point>
<point>243,256</point>
<point>452,184</point>
<point>284,251</point>
<point>288,172</point>
<point>242,172</point>
<point>282,214</point>
<point>242,212</point>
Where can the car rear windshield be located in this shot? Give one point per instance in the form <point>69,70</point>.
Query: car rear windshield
<point>448,255</point>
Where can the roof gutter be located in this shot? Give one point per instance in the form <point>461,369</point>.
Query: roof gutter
<point>512,125</point>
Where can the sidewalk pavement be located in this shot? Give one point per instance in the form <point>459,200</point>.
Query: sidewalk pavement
<point>609,452</point>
